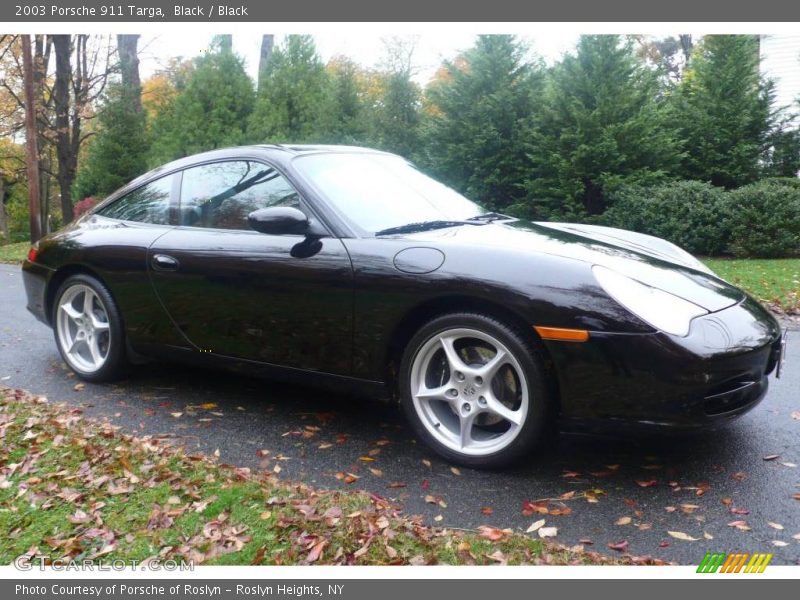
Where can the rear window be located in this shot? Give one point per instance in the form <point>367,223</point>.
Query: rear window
<point>146,204</point>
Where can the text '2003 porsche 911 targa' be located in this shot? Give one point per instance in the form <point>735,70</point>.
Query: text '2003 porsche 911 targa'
<point>350,268</point>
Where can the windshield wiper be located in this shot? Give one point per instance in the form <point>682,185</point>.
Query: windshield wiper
<point>490,217</point>
<point>424,226</point>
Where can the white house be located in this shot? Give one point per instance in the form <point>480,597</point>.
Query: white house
<point>780,61</point>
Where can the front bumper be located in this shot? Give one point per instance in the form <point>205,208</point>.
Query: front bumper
<point>656,380</point>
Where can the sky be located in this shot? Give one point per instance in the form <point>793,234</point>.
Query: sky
<point>367,49</point>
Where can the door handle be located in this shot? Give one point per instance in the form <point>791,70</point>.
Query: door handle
<point>164,262</point>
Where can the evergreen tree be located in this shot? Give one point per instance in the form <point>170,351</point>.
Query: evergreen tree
<point>210,111</point>
<point>725,112</point>
<point>118,153</point>
<point>477,120</point>
<point>294,90</point>
<point>346,113</point>
<point>601,125</point>
<point>396,100</point>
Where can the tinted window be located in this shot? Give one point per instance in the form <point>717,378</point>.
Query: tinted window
<point>221,195</point>
<point>147,204</point>
<point>378,191</point>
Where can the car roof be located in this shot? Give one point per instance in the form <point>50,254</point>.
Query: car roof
<point>277,153</point>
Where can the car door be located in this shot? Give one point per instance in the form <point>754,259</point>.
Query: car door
<point>119,235</point>
<point>279,299</point>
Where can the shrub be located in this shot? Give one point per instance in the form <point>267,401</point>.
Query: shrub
<point>765,219</point>
<point>690,214</point>
<point>84,205</point>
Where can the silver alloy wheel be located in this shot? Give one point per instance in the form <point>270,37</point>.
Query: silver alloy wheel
<point>469,391</point>
<point>83,330</point>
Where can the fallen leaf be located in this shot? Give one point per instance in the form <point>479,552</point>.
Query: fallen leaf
<point>708,536</point>
<point>491,533</point>
<point>426,462</point>
<point>547,532</point>
<point>316,551</point>
<point>623,521</point>
<point>646,483</point>
<point>777,526</point>
<point>366,459</point>
<point>619,546</point>
<point>376,472</point>
<point>772,456</point>
<point>739,476</point>
<point>740,511</point>
<point>535,525</point>
<point>796,415</point>
<point>487,510</point>
<point>207,405</point>
<point>679,535</point>
<point>78,386</point>
<point>779,543</point>
<point>727,501</point>
<point>177,415</point>
<point>455,470</point>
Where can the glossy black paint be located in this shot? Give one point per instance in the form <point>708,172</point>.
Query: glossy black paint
<point>341,306</point>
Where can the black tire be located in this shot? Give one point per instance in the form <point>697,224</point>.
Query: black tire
<point>116,364</point>
<point>537,425</point>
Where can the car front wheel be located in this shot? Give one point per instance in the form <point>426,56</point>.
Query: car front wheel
<point>475,390</point>
<point>88,329</point>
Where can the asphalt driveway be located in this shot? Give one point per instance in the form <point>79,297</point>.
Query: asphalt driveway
<point>736,489</point>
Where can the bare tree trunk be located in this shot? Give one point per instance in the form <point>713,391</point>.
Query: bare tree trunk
<point>129,68</point>
<point>41,60</point>
<point>67,160</point>
<point>3,217</point>
<point>31,141</point>
<point>267,43</point>
<point>686,46</point>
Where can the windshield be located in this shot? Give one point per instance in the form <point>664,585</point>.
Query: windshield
<point>379,191</point>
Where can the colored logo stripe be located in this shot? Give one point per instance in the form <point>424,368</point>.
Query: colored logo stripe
<point>734,563</point>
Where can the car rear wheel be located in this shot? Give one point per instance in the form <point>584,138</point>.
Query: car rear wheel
<point>475,390</point>
<point>88,329</point>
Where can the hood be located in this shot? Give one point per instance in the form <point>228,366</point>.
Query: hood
<point>650,260</point>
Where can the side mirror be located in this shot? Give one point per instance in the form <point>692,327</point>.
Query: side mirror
<point>279,220</point>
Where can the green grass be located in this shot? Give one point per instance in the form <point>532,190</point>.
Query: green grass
<point>775,282</point>
<point>74,487</point>
<point>14,253</point>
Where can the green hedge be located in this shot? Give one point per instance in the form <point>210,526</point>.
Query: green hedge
<point>764,219</point>
<point>691,214</point>
<point>761,220</point>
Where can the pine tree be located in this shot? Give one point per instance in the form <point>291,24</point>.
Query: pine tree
<point>346,114</point>
<point>725,111</point>
<point>211,111</point>
<point>601,125</point>
<point>477,116</point>
<point>118,153</point>
<point>292,96</point>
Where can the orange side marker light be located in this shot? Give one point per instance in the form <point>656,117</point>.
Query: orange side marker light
<point>563,335</point>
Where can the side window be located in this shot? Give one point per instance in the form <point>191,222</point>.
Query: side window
<point>147,204</point>
<point>221,195</point>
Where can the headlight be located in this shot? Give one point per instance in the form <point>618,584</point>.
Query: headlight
<point>660,309</point>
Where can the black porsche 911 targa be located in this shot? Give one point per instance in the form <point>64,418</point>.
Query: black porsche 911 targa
<point>348,267</point>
